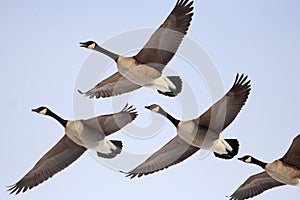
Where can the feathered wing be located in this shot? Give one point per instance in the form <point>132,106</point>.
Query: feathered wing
<point>114,85</point>
<point>111,123</point>
<point>255,185</point>
<point>56,159</point>
<point>164,42</point>
<point>222,113</point>
<point>175,151</point>
<point>292,156</point>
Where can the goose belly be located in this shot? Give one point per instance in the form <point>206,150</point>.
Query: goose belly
<point>283,173</point>
<point>85,136</point>
<point>298,184</point>
<point>197,136</point>
<point>139,74</point>
<point>104,146</point>
<point>96,140</point>
<point>92,138</point>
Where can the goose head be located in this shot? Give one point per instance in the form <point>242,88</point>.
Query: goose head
<point>41,110</point>
<point>246,159</point>
<point>155,108</point>
<point>89,44</point>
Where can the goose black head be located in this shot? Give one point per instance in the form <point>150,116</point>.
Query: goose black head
<point>246,159</point>
<point>88,44</point>
<point>41,110</point>
<point>154,108</point>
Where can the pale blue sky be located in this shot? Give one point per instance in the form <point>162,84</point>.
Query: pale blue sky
<point>41,61</point>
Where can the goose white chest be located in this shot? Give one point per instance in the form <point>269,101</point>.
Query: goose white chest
<point>73,130</point>
<point>187,130</point>
<point>283,173</point>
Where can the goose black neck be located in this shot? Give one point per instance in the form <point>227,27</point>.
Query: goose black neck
<point>58,118</point>
<point>106,52</point>
<point>173,120</point>
<point>258,162</point>
<point>170,117</point>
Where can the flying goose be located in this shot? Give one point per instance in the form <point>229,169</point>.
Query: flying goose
<point>200,133</point>
<point>80,135</point>
<point>284,171</point>
<point>145,68</point>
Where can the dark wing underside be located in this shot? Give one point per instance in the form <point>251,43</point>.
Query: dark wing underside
<point>56,159</point>
<point>255,185</point>
<point>111,123</point>
<point>222,113</point>
<point>164,42</point>
<point>292,156</point>
<point>175,151</point>
<point>112,86</point>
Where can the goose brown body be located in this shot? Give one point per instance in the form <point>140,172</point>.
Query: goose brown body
<point>145,68</point>
<point>200,133</point>
<point>284,171</point>
<point>79,136</point>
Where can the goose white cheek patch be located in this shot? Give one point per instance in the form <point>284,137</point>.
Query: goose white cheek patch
<point>91,46</point>
<point>43,112</point>
<point>156,109</point>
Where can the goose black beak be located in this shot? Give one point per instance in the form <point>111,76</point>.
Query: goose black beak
<point>240,159</point>
<point>34,110</point>
<point>83,44</point>
<point>148,107</point>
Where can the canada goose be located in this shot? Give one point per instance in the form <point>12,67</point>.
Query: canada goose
<point>80,135</point>
<point>284,171</point>
<point>200,133</point>
<point>145,68</point>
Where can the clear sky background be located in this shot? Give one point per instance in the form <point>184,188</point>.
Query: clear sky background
<point>41,60</point>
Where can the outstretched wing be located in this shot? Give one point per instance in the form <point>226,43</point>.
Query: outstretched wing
<point>292,156</point>
<point>164,42</point>
<point>111,123</point>
<point>175,151</point>
<point>222,113</point>
<point>112,86</point>
<point>56,159</point>
<point>255,185</point>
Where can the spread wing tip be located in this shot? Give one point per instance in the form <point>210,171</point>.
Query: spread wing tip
<point>184,3</point>
<point>131,110</point>
<point>132,175</point>
<point>15,189</point>
<point>87,94</point>
<point>97,93</point>
<point>137,174</point>
<point>12,189</point>
<point>242,81</point>
<point>128,174</point>
<point>185,6</point>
